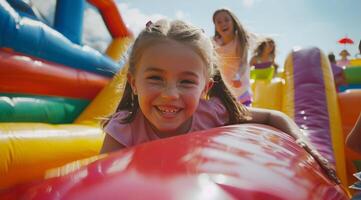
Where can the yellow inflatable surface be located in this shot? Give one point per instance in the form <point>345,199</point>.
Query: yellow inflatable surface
<point>27,150</point>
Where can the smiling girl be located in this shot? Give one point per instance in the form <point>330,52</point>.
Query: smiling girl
<point>173,88</point>
<point>231,41</point>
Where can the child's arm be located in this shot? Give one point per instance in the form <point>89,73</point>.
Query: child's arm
<point>276,119</point>
<point>110,144</point>
<point>253,61</point>
<point>284,123</point>
<point>353,140</point>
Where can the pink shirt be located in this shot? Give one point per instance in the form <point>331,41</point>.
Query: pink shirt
<point>342,63</point>
<point>209,114</point>
<point>232,67</point>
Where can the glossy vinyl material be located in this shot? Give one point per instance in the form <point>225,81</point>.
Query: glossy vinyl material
<point>36,39</point>
<point>350,105</point>
<point>68,19</point>
<point>267,94</point>
<point>27,150</point>
<point>353,74</point>
<point>234,162</point>
<point>110,94</point>
<point>26,75</point>
<point>310,98</point>
<point>29,108</point>
<point>311,112</point>
<point>355,62</point>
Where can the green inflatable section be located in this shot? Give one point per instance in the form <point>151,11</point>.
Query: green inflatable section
<point>353,75</point>
<point>30,108</point>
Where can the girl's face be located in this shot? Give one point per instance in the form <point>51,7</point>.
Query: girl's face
<point>170,79</point>
<point>269,47</point>
<point>224,24</point>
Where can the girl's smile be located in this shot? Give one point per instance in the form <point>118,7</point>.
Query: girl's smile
<point>224,24</point>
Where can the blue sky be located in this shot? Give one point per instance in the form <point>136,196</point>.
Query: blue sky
<point>291,23</point>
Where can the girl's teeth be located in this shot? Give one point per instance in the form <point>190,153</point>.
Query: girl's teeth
<point>168,110</point>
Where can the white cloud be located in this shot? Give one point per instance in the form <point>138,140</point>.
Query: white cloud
<point>45,8</point>
<point>179,14</point>
<point>95,33</point>
<point>97,36</point>
<point>135,18</point>
<point>248,3</point>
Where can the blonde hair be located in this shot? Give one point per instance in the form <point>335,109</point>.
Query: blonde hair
<point>239,31</point>
<point>162,31</point>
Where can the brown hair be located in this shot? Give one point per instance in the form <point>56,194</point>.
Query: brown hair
<point>332,58</point>
<point>187,34</point>
<point>239,31</point>
<point>262,45</point>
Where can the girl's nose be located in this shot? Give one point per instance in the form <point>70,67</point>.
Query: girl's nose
<point>170,92</point>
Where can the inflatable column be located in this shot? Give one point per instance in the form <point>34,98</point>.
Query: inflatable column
<point>310,99</point>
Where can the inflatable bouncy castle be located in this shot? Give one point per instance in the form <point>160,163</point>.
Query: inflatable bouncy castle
<point>47,79</point>
<point>352,74</point>
<point>248,161</point>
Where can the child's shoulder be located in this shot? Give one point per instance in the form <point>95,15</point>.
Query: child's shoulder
<point>119,115</point>
<point>210,113</point>
<point>129,133</point>
<point>116,120</point>
<point>217,41</point>
<point>213,106</point>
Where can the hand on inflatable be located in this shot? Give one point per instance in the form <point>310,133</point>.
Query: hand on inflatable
<point>323,162</point>
<point>236,83</point>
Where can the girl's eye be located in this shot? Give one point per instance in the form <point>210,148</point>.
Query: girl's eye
<point>188,82</point>
<point>154,78</point>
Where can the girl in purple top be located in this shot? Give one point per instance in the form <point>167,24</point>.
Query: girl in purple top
<point>172,89</point>
<point>264,55</point>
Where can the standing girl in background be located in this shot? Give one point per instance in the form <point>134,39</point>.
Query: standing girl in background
<point>264,55</point>
<point>172,89</point>
<point>231,41</point>
<point>344,61</point>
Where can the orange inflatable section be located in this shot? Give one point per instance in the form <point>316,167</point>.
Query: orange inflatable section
<point>350,106</point>
<point>112,18</point>
<point>39,77</point>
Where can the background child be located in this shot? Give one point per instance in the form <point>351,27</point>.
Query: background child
<point>337,71</point>
<point>173,89</point>
<point>344,61</point>
<point>264,55</point>
<point>231,43</point>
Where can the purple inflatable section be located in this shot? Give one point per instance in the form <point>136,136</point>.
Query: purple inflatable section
<point>311,113</point>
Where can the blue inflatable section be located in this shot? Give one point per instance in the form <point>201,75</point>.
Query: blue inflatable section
<point>343,88</point>
<point>69,19</point>
<point>23,8</point>
<point>34,38</point>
